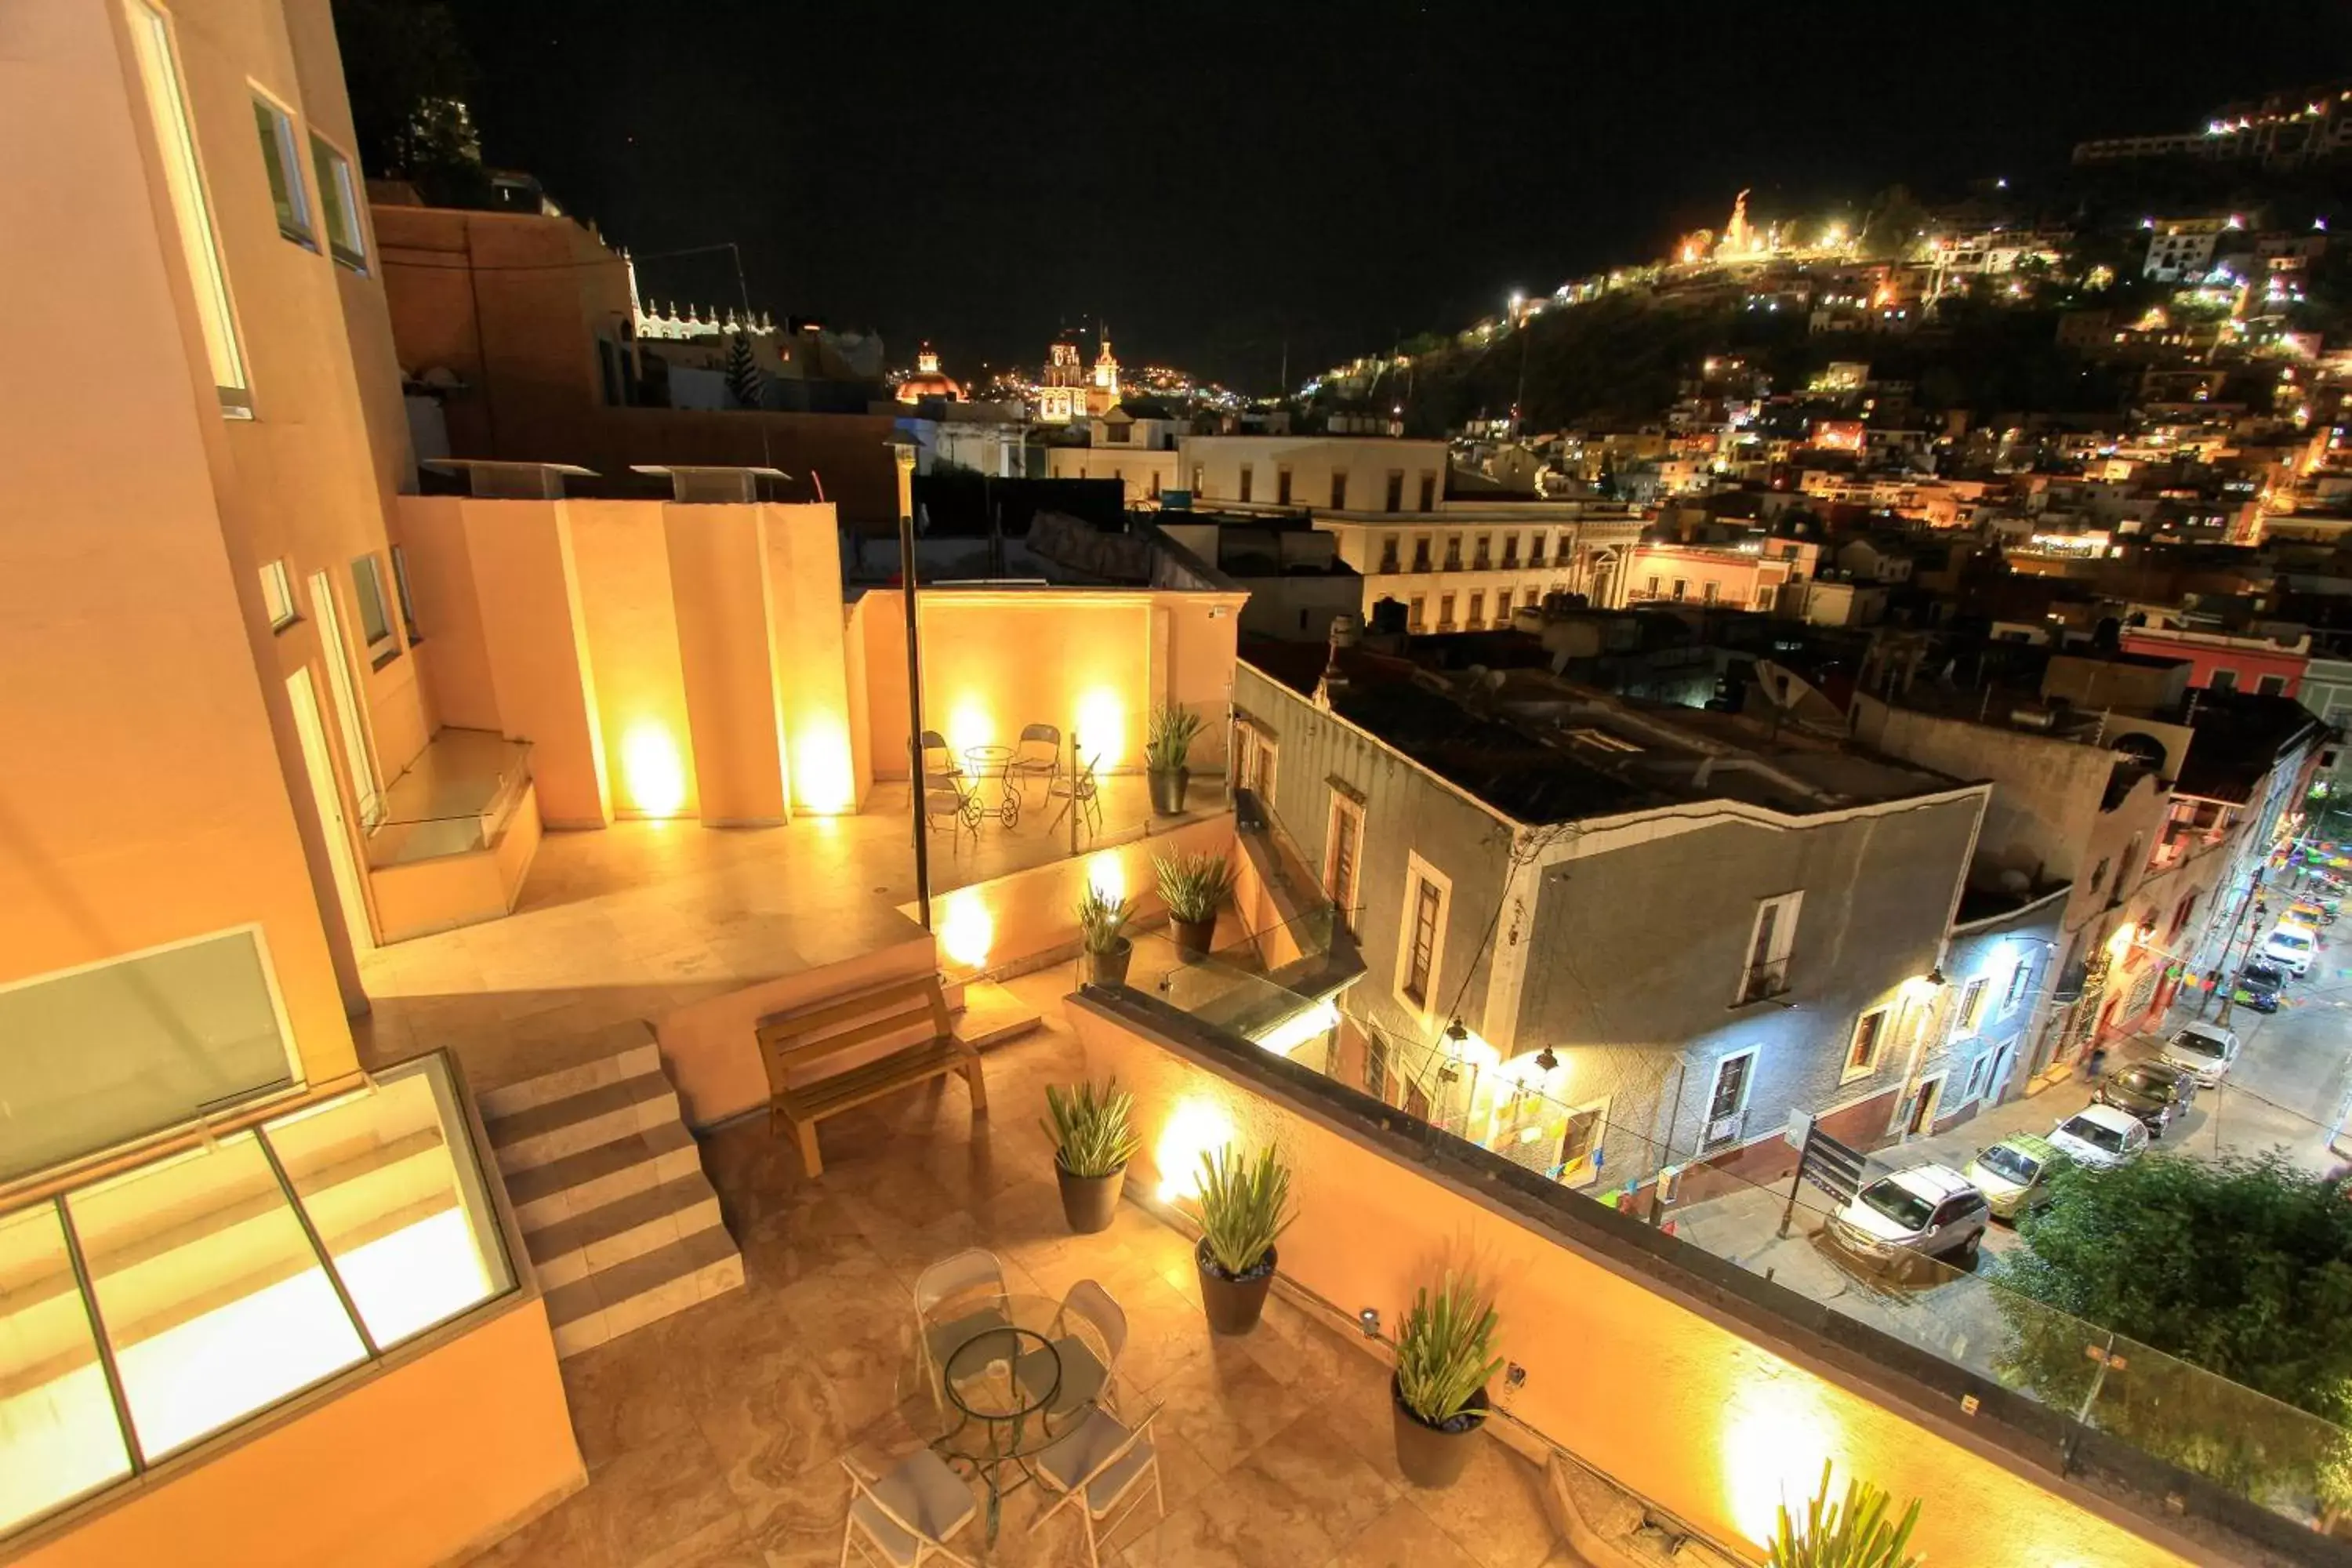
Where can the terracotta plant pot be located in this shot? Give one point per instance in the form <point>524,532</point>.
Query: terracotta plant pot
<point>1193,937</point>
<point>1232,1304</point>
<point>1168,790</point>
<point>1435,1455</point>
<point>1088,1202</point>
<point>1109,968</point>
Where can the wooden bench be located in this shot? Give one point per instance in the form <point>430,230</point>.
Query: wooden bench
<point>792,1043</point>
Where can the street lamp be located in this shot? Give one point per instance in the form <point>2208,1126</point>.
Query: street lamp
<point>902,448</point>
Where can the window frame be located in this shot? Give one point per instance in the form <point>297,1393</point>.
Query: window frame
<point>1338,490</point>
<point>403,596</point>
<point>1419,872</point>
<point>1967,1016</point>
<point>1782,947</point>
<point>278,600</point>
<point>156,49</point>
<point>298,223</point>
<point>1598,1111</point>
<point>367,579</point>
<point>1849,1072</point>
<point>1344,803</point>
<point>2271,685</point>
<point>2213,680</point>
<point>1709,1116</point>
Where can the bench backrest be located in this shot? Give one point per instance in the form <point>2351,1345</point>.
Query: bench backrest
<point>791,1042</point>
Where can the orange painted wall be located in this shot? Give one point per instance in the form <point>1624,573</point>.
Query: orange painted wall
<point>809,656</point>
<point>717,579</point>
<point>416,1464</point>
<point>622,555</point>
<point>1089,661</point>
<point>1674,1404</point>
<point>143,794</point>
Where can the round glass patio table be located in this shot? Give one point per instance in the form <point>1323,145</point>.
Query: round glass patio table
<point>985,763</point>
<point>996,1379</point>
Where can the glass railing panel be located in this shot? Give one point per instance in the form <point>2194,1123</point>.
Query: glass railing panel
<point>451,799</point>
<point>391,1186</point>
<point>59,1435</point>
<point>211,1299</point>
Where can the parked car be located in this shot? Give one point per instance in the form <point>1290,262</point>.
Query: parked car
<point>2014,1173</point>
<point>2205,1049</point>
<point>2292,948</point>
<point>2305,913</point>
<point>2158,1092</point>
<point>1930,1210</point>
<point>2100,1136</point>
<point>2260,986</point>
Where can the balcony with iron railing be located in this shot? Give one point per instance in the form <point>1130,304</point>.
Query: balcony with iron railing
<point>1764,981</point>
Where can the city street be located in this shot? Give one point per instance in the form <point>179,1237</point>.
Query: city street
<point>2284,1092</point>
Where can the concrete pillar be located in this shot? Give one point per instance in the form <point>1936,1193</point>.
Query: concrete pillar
<point>809,656</point>
<point>532,643</point>
<point>718,584</point>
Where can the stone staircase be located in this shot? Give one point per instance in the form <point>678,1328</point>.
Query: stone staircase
<point>621,1224</point>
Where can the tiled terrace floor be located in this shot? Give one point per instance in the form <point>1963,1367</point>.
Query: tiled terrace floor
<point>637,919</point>
<point>711,1437</point>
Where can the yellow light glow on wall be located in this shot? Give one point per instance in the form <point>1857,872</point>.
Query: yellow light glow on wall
<point>968,725</point>
<point>822,781</point>
<point>1776,1433</point>
<point>652,770</point>
<point>1309,1023</point>
<point>967,929</point>
<point>1197,1127</point>
<point>1102,733</point>
<point>1107,875</point>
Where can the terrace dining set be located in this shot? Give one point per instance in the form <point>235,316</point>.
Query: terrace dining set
<point>990,782</point>
<point>1020,1390</point>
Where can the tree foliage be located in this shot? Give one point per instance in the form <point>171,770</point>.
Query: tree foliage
<point>409,75</point>
<point>742,371</point>
<point>2241,1267</point>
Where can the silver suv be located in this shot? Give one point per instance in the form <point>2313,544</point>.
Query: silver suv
<point>1928,1209</point>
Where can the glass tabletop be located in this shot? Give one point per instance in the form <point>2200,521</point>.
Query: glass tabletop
<point>999,1377</point>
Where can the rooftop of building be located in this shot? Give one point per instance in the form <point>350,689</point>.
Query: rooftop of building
<point>1541,749</point>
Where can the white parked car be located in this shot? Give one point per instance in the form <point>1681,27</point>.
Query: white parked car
<point>1930,1209</point>
<point>2205,1050</point>
<point>2292,947</point>
<point>2101,1136</point>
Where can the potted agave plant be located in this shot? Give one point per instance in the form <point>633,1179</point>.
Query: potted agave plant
<point>1855,1533</point>
<point>1445,1359</point>
<point>1165,750</point>
<point>1102,924</point>
<point>1193,884</point>
<point>1093,1128</point>
<point>1243,1205</point>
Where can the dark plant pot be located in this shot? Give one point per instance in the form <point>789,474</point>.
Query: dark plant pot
<point>1435,1455</point>
<point>1233,1303</point>
<point>1168,790</point>
<point>1109,968</point>
<point>1088,1202</point>
<point>1193,937</point>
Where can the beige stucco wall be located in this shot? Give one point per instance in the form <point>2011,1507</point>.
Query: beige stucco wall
<point>1675,1403</point>
<point>629,616</point>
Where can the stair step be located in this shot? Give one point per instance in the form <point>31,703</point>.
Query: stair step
<point>642,1289</point>
<point>629,1226</point>
<point>637,1059</point>
<point>609,1112</point>
<point>546,1195</point>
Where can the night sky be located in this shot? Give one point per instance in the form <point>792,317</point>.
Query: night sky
<point>1213,180</point>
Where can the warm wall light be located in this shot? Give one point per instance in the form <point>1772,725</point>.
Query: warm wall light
<point>967,929</point>
<point>1107,875</point>
<point>822,784</point>
<point>1775,1436</point>
<point>1197,1127</point>
<point>968,725</point>
<point>652,770</point>
<point>1102,727</point>
<point>1311,1022</point>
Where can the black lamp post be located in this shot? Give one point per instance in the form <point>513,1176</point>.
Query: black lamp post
<point>902,449</point>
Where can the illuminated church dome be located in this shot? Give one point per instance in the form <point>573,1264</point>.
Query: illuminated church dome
<point>929,380</point>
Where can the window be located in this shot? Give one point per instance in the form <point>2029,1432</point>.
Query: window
<point>1682,589</point>
<point>1970,1012</point>
<point>1579,1140</point>
<point>1444,612</point>
<point>2099,875</point>
<point>1454,554</point>
<point>1395,497</point>
<point>1654,585</point>
<point>1282,485</point>
<point>284,166</point>
<point>1420,946</point>
<point>1727,1102</point>
<point>2222,680</point>
<point>1510,549</point>
<point>1477,608</point>
<point>1536,550</point>
<point>1389,552</point>
<point>1766,972</point>
<point>1413,621</point>
<point>1862,1052</point>
<point>2271,685</point>
<point>1249,477</point>
<point>1199,479</point>
<point>1375,1067</point>
<point>375,620</point>
<point>400,587</point>
<point>1764,598</point>
<point>1429,492</point>
<point>1420,554</point>
<point>1708,592</point>
<point>1339,490</point>
<point>278,597</point>
<point>1502,606</point>
<point>1155,484</point>
<point>1480,554</point>
<point>1343,841</point>
<point>159,72</point>
<point>2016,992</point>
